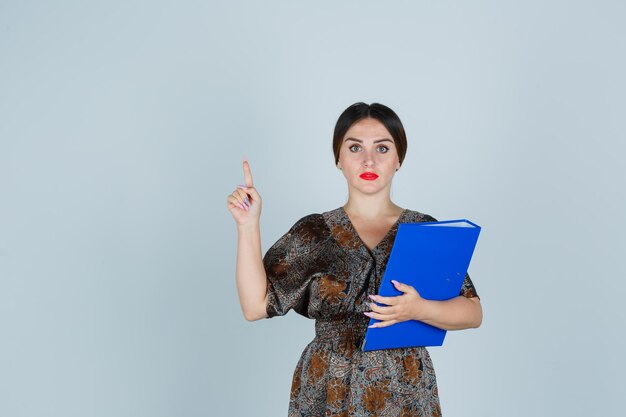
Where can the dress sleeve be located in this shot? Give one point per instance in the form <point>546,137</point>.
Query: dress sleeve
<point>290,267</point>
<point>467,289</point>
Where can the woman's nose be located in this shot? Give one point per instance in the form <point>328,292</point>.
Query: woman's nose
<point>368,160</point>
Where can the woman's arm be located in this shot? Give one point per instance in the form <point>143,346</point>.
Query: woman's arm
<point>251,277</point>
<point>454,314</point>
<point>245,206</point>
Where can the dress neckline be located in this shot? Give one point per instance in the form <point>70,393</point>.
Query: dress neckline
<point>385,237</point>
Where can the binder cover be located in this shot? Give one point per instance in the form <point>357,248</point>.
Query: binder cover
<point>432,257</point>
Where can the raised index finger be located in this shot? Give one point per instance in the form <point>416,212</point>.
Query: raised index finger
<point>247,175</point>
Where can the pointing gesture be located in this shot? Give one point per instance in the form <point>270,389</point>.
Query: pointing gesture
<point>245,202</point>
<point>247,174</point>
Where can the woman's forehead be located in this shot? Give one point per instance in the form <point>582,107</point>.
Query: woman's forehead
<point>368,129</point>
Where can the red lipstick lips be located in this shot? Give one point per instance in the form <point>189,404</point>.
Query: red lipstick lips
<point>369,176</point>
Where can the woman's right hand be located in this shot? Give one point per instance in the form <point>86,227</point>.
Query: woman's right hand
<point>245,202</point>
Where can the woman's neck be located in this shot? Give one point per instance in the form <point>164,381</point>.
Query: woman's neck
<point>371,206</point>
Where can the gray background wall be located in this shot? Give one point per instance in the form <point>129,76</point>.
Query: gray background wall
<point>122,128</point>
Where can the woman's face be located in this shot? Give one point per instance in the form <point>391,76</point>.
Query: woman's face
<point>368,157</point>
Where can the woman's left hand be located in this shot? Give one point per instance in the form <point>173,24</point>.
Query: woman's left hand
<point>408,306</point>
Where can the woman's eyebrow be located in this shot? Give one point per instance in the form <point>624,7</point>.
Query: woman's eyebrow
<point>376,141</point>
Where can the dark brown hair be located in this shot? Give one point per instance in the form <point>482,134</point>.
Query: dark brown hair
<point>383,114</point>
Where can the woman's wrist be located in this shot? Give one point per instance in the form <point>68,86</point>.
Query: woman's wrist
<point>252,226</point>
<point>424,309</point>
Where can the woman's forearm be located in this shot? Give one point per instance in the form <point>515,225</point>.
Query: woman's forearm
<point>250,272</point>
<point>454,314</point>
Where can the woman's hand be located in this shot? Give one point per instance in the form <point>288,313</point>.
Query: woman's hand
<point>457,313</point>
<point>408,306</point>
<point>245,202</point>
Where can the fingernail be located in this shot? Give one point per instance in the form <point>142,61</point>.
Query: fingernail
<point>247,201</point>
<point>242,186</point>
<point>368,314</point>
<point>373,297</point>
<point>394,281</point>
<point>241,206</point>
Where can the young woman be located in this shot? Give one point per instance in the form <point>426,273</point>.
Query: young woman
<point>328,267</point>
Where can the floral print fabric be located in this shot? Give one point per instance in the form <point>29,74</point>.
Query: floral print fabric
<point>322,269</point>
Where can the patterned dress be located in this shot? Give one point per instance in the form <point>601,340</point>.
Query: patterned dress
<point>322,269</point>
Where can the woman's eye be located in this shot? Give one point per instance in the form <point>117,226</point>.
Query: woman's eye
<point>381,148</point>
